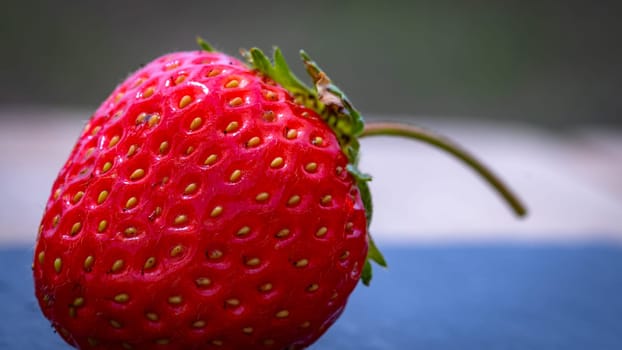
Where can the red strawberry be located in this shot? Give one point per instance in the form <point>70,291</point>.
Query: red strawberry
<point>207,204</point>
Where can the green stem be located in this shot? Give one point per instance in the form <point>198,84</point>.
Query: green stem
<point>413,132</point>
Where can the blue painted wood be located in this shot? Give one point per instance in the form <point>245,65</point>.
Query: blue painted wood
<point>431,297</point>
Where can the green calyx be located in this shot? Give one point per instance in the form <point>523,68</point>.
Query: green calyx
<point>204,45</point>
<point>335,109</point>
<point>325,97</point>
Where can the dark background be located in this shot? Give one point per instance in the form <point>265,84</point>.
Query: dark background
<point>555,62</point>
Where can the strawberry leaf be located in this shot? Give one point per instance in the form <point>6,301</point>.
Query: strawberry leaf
<point>361,176</point>
<point>326,98</point>
<point>204,45</point>
<point>279,71</point>
<point>361,182</point>
<point>366,275</point>
<point>336,108</point>
<point>374,253</point>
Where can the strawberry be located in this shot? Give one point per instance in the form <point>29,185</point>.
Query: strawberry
<point>208,204</point>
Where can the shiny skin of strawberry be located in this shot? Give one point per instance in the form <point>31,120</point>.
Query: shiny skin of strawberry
<point>200,208</point>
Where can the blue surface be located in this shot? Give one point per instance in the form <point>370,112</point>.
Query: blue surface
<point>445,297</point>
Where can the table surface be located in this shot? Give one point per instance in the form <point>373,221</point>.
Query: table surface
<point>432,297</point>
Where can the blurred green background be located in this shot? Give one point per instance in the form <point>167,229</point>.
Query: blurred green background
<point>556,63</point>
